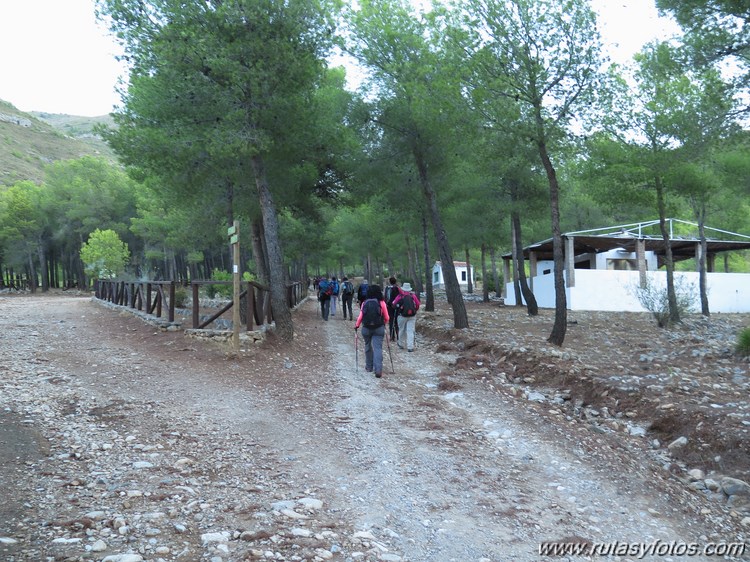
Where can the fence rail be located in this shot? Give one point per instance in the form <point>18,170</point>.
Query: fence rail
<point>155,296</point>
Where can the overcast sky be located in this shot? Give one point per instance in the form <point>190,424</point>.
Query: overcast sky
<point>54,57</point>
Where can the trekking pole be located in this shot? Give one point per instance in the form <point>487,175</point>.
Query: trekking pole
<point>356,351</point>
<point>388,344</point>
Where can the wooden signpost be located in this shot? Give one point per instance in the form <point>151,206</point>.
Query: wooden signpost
<point>234,239</point>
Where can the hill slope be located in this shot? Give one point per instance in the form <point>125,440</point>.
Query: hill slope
<point>32,141</point>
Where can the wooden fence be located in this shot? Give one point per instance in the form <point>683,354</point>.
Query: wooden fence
<point>153,297</point>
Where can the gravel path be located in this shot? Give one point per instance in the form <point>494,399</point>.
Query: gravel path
<point>122,443</point>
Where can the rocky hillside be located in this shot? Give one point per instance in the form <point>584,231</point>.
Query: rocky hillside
<point>31,141</point>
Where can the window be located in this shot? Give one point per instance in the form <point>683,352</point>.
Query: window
<point>436,277</point>
<point>463,276</point>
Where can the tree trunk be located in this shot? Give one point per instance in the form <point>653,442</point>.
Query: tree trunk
<point>485,285</point>
<point>700,212</point>
<point>495,277</point>
<point>419,284</point>
<point>674,312</point>
<point>469,281</point>
<point>43,265</point>
<point>557,336</point>
<point>452,288</point>
<point>514,270</point>
<point>32,273</point>
<point>430,295</point>
<point>281,312</point>
<point>259,252</point>
<point>531,305</point>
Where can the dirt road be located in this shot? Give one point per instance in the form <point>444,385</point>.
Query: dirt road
<point>122,442</point>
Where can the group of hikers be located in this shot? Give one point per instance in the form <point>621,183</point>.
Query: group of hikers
<point>396,308</point>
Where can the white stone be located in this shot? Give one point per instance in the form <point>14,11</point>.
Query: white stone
<point>298,532</point>
<point>677,443</point>
<point>129,557</point>
<point>7,540</point>
<point>311,503</point>
<point>99,546</point>
<point>367,535</point>
<point>220,537</point>
<point>696,474</point>
<point>96,515</point>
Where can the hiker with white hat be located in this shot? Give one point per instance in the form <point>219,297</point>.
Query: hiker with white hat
<point>407,304</point>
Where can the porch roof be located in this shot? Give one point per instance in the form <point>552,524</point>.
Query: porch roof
<point>625,236</point>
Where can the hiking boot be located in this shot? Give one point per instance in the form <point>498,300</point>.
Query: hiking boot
<point>409,350</point>
<point>378,375</point>
<point>400,346</point>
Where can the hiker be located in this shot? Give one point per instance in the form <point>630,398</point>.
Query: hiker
<point>362,293</point>
<point>373,316</point>
<point>391,292</point>
<point>406,305</point>
<point>334,295</point>
<point>347,296</point>
<point>325,290</point>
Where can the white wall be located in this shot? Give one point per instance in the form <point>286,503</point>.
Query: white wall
<point>615,290</point>
<point>440,283</point>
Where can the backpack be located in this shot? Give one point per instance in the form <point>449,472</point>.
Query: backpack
<point>362,292</point>
<point>407,306</point>
<point>335,288</point>
<point>348,288</point>
<point>326,290</point>
<point>372,316</point>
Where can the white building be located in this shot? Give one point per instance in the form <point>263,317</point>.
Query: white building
<point>463,273</point>
<point>605,267</point>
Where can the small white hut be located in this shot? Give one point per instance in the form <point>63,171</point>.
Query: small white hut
<point>463,273</point>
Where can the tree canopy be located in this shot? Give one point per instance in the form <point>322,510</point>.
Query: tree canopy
<point>470,120</point>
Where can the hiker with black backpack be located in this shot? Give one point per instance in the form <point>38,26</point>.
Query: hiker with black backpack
<point>373,316</point>
<point>391,292</point>
<point>347,296</point>
<point>406,305</point>
<point>325,290</point>
<point>362,292</point>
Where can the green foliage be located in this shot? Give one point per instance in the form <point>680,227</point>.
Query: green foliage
<point>653,297</point>
<point>743,342</point>
<point>104,254</point>
<point>180,297</point>
<point>220,291</point>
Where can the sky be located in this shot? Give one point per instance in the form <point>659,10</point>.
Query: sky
<point>55,57</point>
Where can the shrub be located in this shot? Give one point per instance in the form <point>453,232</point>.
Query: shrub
<point>743,342</point>
<point>180,297</point>
<point>223,291</point>
<point>653,297</point>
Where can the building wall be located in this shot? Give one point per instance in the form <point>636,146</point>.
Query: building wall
<point>615,290</point>
<point>438,281</point>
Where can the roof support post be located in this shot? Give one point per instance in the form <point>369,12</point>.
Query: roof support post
<point>532,270</point>
<point>506,277</point>
<point>711,263</point>
<point>570,261</point>
<point>640,256</point>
